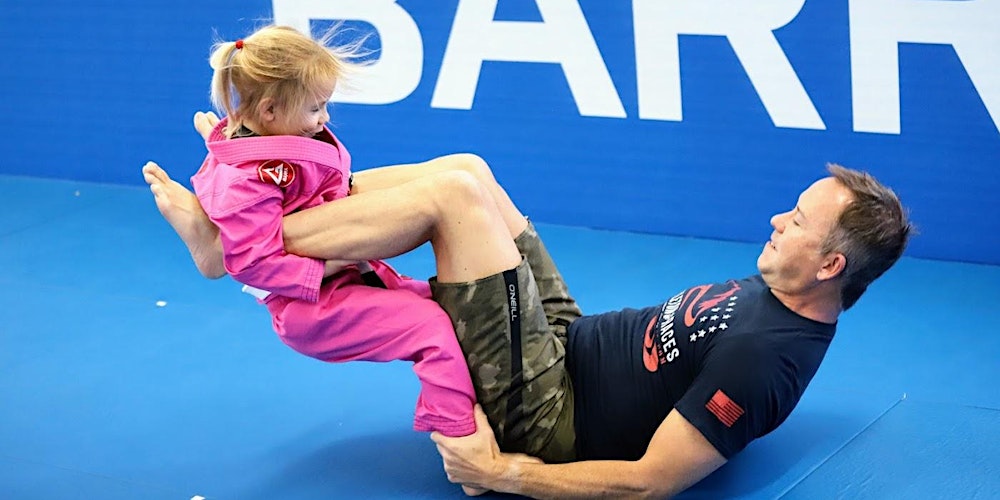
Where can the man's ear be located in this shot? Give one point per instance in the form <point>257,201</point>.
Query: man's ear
<point>833,266</point>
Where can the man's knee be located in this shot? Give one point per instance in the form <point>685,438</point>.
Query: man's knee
<point>473,164</point>
<point>457,191</point>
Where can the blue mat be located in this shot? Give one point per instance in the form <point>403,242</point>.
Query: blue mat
<point>918,450</point>
<point>126,375</point>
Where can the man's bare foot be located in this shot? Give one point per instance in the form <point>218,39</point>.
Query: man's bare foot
<point>204,122</point>
<point>181,209</point>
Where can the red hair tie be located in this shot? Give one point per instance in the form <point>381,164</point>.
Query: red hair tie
<point>239,44</point>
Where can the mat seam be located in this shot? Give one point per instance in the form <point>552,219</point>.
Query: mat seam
<point>826,459</point>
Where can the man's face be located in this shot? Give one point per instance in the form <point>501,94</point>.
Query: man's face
<point>791,260</point>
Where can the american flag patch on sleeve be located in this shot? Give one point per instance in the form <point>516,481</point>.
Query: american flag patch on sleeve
<point>724,408</point>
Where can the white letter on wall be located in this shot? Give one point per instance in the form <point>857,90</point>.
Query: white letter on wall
<point>400,61</point>
<point>562,37</point>
<point>877,28</point>
<point>748,26</point>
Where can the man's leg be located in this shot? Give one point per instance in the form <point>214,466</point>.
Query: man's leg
<point>516,361</point>
<point>527,396</point>
<point>450,209</point>
<point>385,177</point>
<point>560,307</point>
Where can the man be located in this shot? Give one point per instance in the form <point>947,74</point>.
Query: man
<point>634,403</point>
<point>665,395</point>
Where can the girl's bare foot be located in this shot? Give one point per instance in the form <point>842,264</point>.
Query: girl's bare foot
<point>181,209</point>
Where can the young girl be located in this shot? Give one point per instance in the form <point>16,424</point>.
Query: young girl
<point>272,155</point>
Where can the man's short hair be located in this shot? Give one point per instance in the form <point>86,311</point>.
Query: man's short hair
<point>871,232</point>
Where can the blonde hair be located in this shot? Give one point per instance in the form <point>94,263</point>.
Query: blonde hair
<point>280,63</point>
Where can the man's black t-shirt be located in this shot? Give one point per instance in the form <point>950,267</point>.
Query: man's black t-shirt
<point>730,357</point>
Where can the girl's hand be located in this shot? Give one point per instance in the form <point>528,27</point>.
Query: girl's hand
<point>204,122</point>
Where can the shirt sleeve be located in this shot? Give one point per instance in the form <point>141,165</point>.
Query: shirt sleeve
<point>741,394</point>
<point>249,216</point>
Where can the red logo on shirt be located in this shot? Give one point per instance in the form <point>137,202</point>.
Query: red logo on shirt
<point>725,409</point>
<point>649,354</point>
<point>690,315</point>
<point>277,172</point>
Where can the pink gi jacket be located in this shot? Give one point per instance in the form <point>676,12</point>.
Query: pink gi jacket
<point>246,185</point>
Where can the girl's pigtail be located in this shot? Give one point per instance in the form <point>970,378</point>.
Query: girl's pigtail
<point>223,90</point>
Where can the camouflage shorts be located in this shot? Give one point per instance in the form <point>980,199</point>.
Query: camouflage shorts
<point>512,329</point>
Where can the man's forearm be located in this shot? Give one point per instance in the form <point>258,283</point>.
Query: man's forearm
<point>677,457</point>
<point>591,479</point>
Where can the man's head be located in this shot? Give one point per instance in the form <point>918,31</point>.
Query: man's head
<point>871,232</point>
<point>844,232</point>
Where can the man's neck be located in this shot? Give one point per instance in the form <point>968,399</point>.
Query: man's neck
<point>818,304</point>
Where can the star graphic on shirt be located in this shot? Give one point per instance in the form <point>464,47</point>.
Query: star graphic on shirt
<point>703,319</point>
<point>727,316</point>
<point>714,317</point>
<point>701,333</point>
<point>711,329</point>
<point>694,337</point>
<point>715,309</point>
<point>723,326</point>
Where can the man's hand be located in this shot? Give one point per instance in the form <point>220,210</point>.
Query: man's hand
<point>475,461</point>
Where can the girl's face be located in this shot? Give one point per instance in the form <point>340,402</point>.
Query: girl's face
<point>305,122</point>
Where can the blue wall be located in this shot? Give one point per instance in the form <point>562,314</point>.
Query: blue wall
<point>94,89</point>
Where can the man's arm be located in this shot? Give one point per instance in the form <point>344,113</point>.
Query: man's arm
<point>677,457</point>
